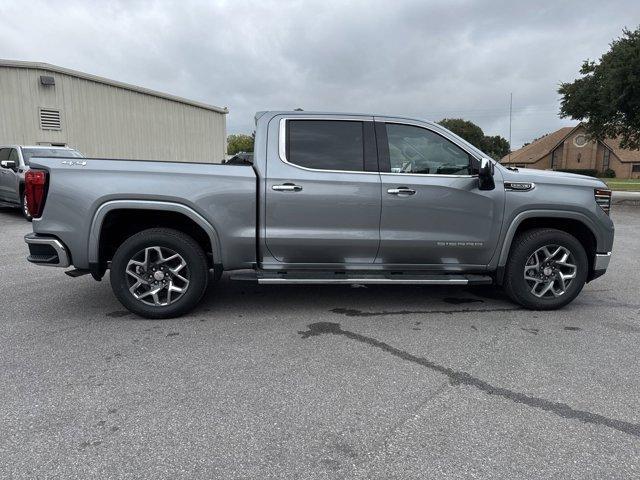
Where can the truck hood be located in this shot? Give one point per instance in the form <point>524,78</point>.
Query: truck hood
<point>551,176</point>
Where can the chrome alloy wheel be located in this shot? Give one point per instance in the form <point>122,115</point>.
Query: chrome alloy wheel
<point>550,270</point>
<point>157,276</point>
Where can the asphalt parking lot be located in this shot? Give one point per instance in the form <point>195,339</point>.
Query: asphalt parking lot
<point>318,382</point>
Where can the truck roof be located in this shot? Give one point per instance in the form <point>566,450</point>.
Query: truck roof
<point>273,113</point>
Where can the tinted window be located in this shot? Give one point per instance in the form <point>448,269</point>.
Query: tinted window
<point>27,153</point>
<point>417,150</point>
<point>4,153</point>
<point>326,144</point>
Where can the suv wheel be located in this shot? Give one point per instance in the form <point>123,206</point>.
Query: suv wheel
<point>547,269</point>
<point>24,209</point>
<point>159,273</point>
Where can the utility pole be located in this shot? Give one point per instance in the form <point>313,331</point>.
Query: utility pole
<point>510,115</point>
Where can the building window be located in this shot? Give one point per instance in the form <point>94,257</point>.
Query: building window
<point>635,168</point>
<point>580,140</point>
<point>606,159</point>
<point>555,157</point>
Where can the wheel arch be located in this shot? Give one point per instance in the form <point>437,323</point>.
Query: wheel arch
<point>162,214</point>
<point>574,223</point>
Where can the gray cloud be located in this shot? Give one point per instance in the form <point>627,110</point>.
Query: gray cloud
<point>456,58</point>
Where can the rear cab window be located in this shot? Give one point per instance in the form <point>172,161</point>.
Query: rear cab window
<point>326,144</point>
<point>28,153</point>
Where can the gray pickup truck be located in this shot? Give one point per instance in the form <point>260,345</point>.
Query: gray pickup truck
<point>14,162</point>
<point>329,199</point>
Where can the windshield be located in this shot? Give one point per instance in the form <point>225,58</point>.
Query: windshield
<point>27,153</point>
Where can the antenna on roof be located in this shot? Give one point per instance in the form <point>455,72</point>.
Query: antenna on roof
<point>510,112</point>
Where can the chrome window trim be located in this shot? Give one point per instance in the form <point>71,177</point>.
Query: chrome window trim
<point>410,123</point>
<point>282,143</point>
<point>428,175</point>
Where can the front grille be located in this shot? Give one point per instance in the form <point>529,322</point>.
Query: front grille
<point>603,198</point>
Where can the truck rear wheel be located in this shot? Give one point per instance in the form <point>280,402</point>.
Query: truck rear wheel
<point>546,269</point>
<point>159,273</point>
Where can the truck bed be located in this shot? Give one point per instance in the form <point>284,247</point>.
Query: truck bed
<point>79,189</point>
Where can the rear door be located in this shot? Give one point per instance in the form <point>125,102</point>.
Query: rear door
<point>323,194</point>
<point>433,214</point>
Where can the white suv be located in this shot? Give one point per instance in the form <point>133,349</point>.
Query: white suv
<point>14,162</point>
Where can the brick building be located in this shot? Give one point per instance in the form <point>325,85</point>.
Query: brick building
<point>570,148</point>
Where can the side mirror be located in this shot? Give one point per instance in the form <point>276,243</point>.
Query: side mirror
<point>485,175</point>
<point>8,164</point>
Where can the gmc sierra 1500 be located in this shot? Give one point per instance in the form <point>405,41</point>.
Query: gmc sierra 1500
<point>330,198</point>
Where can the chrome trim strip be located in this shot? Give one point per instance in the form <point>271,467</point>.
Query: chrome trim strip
<point>347,281</point>
<point>428,175</point>
<point>61,251</point>
<point>601,261</point>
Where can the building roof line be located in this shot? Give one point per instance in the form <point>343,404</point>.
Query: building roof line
<point>107,81</point>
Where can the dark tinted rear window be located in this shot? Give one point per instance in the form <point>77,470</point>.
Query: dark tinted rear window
<point>326,144</point>
<point>27,153</point>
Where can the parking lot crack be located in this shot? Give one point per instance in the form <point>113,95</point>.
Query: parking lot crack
<point>349,312</point>
<point>457,377</point>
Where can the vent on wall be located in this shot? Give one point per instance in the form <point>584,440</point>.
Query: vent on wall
<point>50,119</point>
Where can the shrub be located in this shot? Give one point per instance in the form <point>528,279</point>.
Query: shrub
<point>608,173</point>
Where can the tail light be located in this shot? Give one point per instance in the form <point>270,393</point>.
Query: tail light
<point>35,185</point>
<point>603,198</point>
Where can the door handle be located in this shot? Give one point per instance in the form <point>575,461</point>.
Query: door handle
<point>401,191</point>
<point>287,187</point>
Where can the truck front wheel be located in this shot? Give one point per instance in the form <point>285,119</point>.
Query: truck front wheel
<point>546,269</point>
<point>159,273</point>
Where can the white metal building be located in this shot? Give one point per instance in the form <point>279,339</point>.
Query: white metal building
<point>49,105</point>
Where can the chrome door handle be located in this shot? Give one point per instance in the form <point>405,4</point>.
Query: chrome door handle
<point>287,187</point>
<point>401,191</point>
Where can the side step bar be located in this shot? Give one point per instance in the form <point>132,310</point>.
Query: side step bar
<point>338,278</point>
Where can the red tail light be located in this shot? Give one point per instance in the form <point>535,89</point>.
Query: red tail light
<point>35,184</point>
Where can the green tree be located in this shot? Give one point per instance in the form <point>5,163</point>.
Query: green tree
<point>240,143</point>
<point>471,132</point>
<point>496,146</point>
<point>607,96</point>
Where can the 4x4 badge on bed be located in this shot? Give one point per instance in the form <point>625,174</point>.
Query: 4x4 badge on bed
<point>71,163</point>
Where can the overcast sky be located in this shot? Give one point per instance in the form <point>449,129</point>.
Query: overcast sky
<point>426,59</point>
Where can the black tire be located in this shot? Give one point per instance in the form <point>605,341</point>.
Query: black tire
<point>23,208</point>
<point>172,240</point>
<point>524,246</point>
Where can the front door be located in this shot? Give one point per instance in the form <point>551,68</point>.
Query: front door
<point>433,214</point>
<point>323,194</point>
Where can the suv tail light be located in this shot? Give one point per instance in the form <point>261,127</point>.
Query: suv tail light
<point>603,198</point>
<point>35,185</point>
